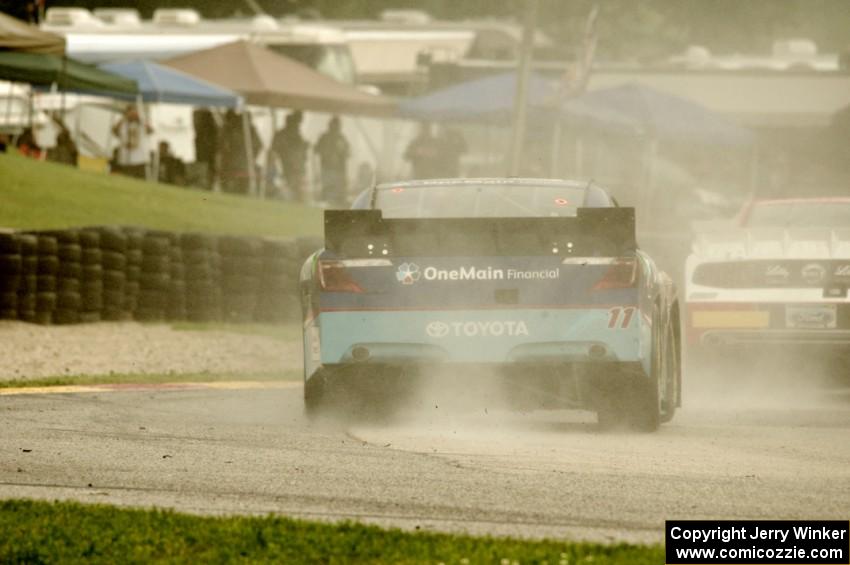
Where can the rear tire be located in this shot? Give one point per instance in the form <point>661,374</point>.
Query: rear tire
<point>643,413</point>
<point>633,406</point>
<point>670,387</point>
<point>632,401</point>
<point>361,393</point>
<point>315,402</point>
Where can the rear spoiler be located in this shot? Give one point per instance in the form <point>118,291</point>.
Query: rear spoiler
<point>602,232</point>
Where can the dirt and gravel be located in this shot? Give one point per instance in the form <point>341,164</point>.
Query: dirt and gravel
<point>29,351</point>
<point>756,447</point>
<point>535,474</point>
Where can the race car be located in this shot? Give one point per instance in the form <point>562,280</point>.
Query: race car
<point>779,275</point>
<point>538,281</point>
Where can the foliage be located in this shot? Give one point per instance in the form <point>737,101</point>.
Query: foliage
<point>149,379</point>
<point>41,532</point>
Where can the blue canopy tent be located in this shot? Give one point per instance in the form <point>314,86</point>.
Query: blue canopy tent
<point>161,84</point>
<point>657,115</point>
<point>629,108</point>
<point>489,99</point>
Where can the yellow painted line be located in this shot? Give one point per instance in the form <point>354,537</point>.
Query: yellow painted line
<point>733,319</point>
<point>157,387</point>
<point>59,389</point>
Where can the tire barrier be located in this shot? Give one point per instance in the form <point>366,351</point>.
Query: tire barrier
<point>202,270</point>
<point>68,271</point>
<point>278,291</point>
<point>114,261</point>
<point>132,273</point>
<point>155,277</point>
<point>115,273</point>
<point>11,273</point>
<point>47,267</point>
<point>91,276</point>
<point>241,268</point>
<point>28,283</point>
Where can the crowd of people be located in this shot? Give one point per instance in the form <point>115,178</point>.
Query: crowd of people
<point>226,146</point>
<point>224,156</point>
<point>224,159</point>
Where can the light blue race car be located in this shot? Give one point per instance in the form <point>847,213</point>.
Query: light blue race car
<point>540,281</point>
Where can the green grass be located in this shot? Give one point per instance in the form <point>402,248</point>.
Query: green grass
<point>280,332</point>
<point>42,532</point>
<point>39,195</point>
<point>137,378</point>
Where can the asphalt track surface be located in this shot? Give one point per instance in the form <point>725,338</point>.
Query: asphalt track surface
<point>539,474</point>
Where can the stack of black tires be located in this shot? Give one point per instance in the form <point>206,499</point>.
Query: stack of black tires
<point>155,277</point>
<point>47,266</point>
<point>11,267</point>
<point>91,276</point>
<point>241,271</point>
<point>59,268</point>
<point>177,288</point>
<point>28,285</point>
<point>278,297</point>
<point>201,267</point>
<point>121,273</point>
<point>113,248</point>
<point>133,271</point>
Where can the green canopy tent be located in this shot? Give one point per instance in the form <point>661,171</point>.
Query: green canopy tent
<point>67,74</point>
<point>61,73</point>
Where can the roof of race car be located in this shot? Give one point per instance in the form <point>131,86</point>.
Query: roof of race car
<point>595,196</point>
<point>513,181</point>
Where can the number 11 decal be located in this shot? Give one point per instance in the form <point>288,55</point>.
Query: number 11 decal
<point>615,319</point>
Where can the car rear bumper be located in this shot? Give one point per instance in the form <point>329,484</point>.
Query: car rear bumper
<point>476,336</point>
<point>779,337</point>
<point>726,323</point>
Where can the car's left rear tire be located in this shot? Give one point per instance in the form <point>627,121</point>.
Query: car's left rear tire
<point>355,393</point>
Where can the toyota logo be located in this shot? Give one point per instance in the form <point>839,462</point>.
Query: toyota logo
<point>437,329</point>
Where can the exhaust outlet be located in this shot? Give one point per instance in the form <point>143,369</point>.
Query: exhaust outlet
<point>597,351</point>
<point>360,353</point>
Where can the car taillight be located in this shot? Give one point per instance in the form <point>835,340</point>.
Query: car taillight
<point>621,274</point>
<point>334,277</point>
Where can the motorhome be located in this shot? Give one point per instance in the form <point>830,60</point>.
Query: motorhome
<point>110,34</point>
<point>394,51</point>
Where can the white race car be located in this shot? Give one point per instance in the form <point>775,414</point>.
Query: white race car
<point>779,275</point>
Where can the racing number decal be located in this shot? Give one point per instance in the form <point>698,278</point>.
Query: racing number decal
<point>615,320</point>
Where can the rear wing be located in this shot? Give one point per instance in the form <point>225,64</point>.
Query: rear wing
<point>593,232</point>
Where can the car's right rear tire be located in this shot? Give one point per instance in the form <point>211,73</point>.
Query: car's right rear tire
<point>634,401</point>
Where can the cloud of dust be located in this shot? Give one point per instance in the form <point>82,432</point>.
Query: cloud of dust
<point>765,377</point>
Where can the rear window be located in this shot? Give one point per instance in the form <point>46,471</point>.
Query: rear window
<point>484,201</point>
<point>800,215</point>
